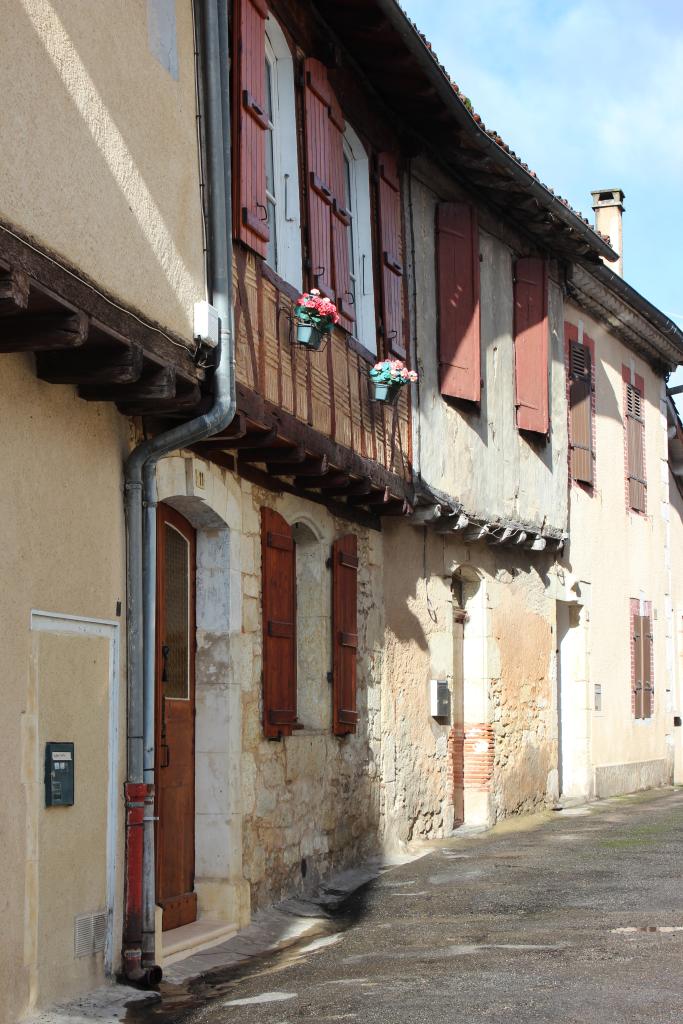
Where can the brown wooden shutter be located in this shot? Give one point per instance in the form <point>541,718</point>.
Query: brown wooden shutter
<point>345,632</point>
<point>317,99</point>
<point>341,218</point>
<point>250,211</point>
<point>580,412</point>
<point>391,250</point>
<point>634,445</point>
<point>638,665</point>
<point>278,575</point>
<point>531,344</point>
<point>646,674</point>
<point>458,297</point>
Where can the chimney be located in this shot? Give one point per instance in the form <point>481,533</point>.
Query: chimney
<point>608,204</point>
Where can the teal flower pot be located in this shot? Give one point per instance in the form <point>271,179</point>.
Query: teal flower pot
<point>386,391</point>
<point>309,336</point>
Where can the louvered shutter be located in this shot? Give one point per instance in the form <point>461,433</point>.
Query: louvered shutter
<point>638,665</point>
<point>580,412</point>
<point>458,298</point>
<point>250,211</point>
<point>341,218</point>
<point>531,344</point>
<point>317,98</point>
<point>345,633</point>
<point>646,674</point>
<point>634,445</point>
<point>391,249</point>
<point>278,574</point>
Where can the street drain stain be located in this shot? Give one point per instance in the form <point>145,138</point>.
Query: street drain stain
<point>648,928</point>
<point>265,997</point>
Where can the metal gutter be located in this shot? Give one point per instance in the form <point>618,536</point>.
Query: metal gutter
<point>140,481</point>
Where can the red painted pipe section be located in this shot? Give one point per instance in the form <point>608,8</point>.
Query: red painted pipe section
<point>135,793</point>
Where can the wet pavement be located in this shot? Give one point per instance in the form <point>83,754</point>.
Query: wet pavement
<point>576,917</point>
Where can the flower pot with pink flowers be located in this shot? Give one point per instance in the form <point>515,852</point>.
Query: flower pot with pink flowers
<point>388,377</point>
<point>315,317</point>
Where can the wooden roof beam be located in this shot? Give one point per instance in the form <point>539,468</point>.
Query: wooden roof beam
<point>40,332</point>
<point>91,365</point>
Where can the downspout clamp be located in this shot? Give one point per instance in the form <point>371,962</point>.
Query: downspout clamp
<point>140,499</point>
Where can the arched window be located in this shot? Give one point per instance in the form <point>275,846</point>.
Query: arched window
<point>282,174</point>
<point>356,171</point>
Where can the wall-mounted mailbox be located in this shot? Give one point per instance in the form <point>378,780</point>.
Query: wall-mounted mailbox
<point>439,698</point>
<point>59,774</point>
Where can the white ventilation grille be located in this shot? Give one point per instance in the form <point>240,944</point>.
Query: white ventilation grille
<point>90,932</point>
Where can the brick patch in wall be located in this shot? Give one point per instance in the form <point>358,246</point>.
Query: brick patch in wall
<point>478,751</point>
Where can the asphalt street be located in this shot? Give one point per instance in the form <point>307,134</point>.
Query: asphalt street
<point>576,917</point>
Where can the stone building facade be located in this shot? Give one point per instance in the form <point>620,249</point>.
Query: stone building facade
<point>323,561</point>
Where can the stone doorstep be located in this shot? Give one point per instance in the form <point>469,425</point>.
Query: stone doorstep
<point>202,934</point>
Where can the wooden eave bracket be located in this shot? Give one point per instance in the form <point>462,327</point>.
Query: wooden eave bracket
<point>83,339</point>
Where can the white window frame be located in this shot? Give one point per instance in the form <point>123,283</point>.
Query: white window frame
<point>287,258</point>
<point>361,239</point>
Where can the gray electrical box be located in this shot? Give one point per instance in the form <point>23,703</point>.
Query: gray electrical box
<point>59,774</point>
<point>439,698</point>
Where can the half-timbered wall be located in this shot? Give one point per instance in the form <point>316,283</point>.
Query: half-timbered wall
<point>326,390</point>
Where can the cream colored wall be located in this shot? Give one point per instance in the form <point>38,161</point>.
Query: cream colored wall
<point>676,549</point>
<point>621,554</point>
<point>99,154</point>
<point>476,454</point>
<point>63,551</point>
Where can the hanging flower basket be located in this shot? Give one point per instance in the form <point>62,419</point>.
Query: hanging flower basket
<point>387,378</point>
<point>309,336</point>
<point>315,317</point>
<point>385,392</point>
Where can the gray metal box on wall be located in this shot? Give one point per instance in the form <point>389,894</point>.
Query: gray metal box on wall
<point>59,774</point>
<point>439,699</point>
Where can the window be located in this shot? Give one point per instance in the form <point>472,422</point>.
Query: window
<point>282,176</point>
<point>635,441</point>
<point>581,405</point>
<point>359,235</point>
<point>641,660</point>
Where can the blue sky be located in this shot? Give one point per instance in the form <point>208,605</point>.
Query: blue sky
<point>589,93</point>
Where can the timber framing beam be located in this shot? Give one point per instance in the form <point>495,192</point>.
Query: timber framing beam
<point>83,338</point>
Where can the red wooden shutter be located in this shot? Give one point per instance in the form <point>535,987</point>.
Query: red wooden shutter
<point>345,632</point>
<point>646,674</point>
<point>531,344</point>
<point>458,297</point>
<point>580,412</point>
<point>635,449</point>
<point>391,249</point>
<point>278,575</point>
<point>317,99</point>
<point>250,212</point>
<point>341,218</point>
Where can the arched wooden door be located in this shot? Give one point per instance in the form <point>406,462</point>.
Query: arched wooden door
<point>175,713</point>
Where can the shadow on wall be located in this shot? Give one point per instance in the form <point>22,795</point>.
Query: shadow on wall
<point>124,208</point>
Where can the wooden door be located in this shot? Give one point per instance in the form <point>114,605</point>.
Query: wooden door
<point>175,712</point>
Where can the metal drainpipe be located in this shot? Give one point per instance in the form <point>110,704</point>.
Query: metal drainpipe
<point>140,491</point>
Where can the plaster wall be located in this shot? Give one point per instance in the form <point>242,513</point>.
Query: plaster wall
<point>116,185</point>
<point>507,706</point>
<point>616,555</point>
<point>63,552</point>
<point>475,453</point>
<point>676,551</point>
